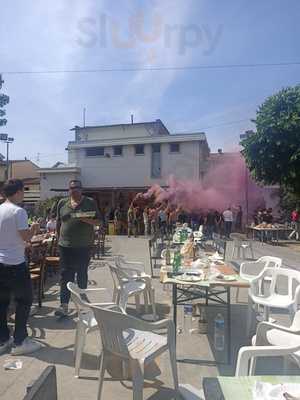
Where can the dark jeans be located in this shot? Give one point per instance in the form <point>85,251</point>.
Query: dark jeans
<point>209,231</point>
<point>228,227</point>
<point>15,280</point>
<point>163,227</point>
<point>73,261</point>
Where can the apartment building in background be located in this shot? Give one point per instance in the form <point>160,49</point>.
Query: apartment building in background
<point>114,162</point>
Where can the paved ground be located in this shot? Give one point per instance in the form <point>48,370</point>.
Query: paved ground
<point>58,338</point>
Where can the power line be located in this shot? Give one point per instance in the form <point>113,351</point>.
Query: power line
<point>227,123</point>
<point>154,68</point>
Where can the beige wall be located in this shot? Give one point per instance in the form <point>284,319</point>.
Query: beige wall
<point>23,169</point>
<point>2,173</point>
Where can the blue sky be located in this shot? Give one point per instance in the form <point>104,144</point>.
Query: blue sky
<point>77,34</point>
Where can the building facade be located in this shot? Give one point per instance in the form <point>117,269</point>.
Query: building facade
<point>114,162</point>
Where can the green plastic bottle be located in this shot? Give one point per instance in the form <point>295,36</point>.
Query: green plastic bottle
<point>176,261</point>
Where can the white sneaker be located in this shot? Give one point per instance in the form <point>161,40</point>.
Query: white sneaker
<point>4,347</point>
<point>28,346</point>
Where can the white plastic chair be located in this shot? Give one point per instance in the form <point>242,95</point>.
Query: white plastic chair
<point>271,340</point>
<point>125,287</point>
<point>251,269</point>
<point>86,321</point>
<point>135,342</point>
<point>198,235</point>
<point>138,275</point>
<point>241,243</point>
<point>273,299</point>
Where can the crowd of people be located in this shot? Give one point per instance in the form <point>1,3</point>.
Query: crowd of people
<point>263,215</point>
<point>162,218</point>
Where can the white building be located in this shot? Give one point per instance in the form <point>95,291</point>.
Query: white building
<point>114,162</point>
<point>54,181</point>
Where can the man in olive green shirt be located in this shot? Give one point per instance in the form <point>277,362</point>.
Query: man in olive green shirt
<point>76,217</point>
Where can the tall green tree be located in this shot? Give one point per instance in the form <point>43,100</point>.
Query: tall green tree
<point>272,153</point>
<point>4,100</point>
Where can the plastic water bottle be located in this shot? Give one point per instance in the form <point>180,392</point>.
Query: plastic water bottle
<point>188,311</point>
<point>219,334</point>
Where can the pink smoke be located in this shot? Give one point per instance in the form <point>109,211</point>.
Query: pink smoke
<point>223,186</point>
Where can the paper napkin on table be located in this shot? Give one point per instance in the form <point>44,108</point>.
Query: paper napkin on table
<point>267,391</point>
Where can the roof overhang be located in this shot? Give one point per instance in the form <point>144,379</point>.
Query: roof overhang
<point>192,137</point>
<point>74,170</point>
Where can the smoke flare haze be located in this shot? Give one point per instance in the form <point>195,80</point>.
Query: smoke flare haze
<point>223,185</point>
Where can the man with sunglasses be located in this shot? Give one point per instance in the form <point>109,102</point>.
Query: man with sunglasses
<point>75,240</point>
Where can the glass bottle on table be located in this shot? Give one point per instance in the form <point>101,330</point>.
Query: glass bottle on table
<point>206,270</point>
<point>180,236</point>
<point>168,255</point>
<point>176,261</point>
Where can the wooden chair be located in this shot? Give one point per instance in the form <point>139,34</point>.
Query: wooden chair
<point>36,255</point>
<point>52,258</point>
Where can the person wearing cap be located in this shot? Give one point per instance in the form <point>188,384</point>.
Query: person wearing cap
<point>75,240</point>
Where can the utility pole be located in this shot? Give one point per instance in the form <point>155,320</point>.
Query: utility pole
<point>243,136</point>
<point>84,111</point>
<point>8,142</point>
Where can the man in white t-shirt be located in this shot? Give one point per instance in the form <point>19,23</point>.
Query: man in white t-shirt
<point>228,219</point>
<point>14,274</point>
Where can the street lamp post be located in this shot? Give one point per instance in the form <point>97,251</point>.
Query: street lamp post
<point>8,140</point>
<point>242,137</point>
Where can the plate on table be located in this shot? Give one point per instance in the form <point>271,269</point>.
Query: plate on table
<point>219,262</point>
<point>189,278</point>
<point>192,271</point>
<point>216,257</point>
<point>227,278</point>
